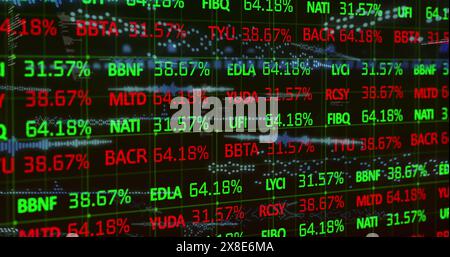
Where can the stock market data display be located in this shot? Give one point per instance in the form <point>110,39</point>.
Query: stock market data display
<point>224,118</point>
